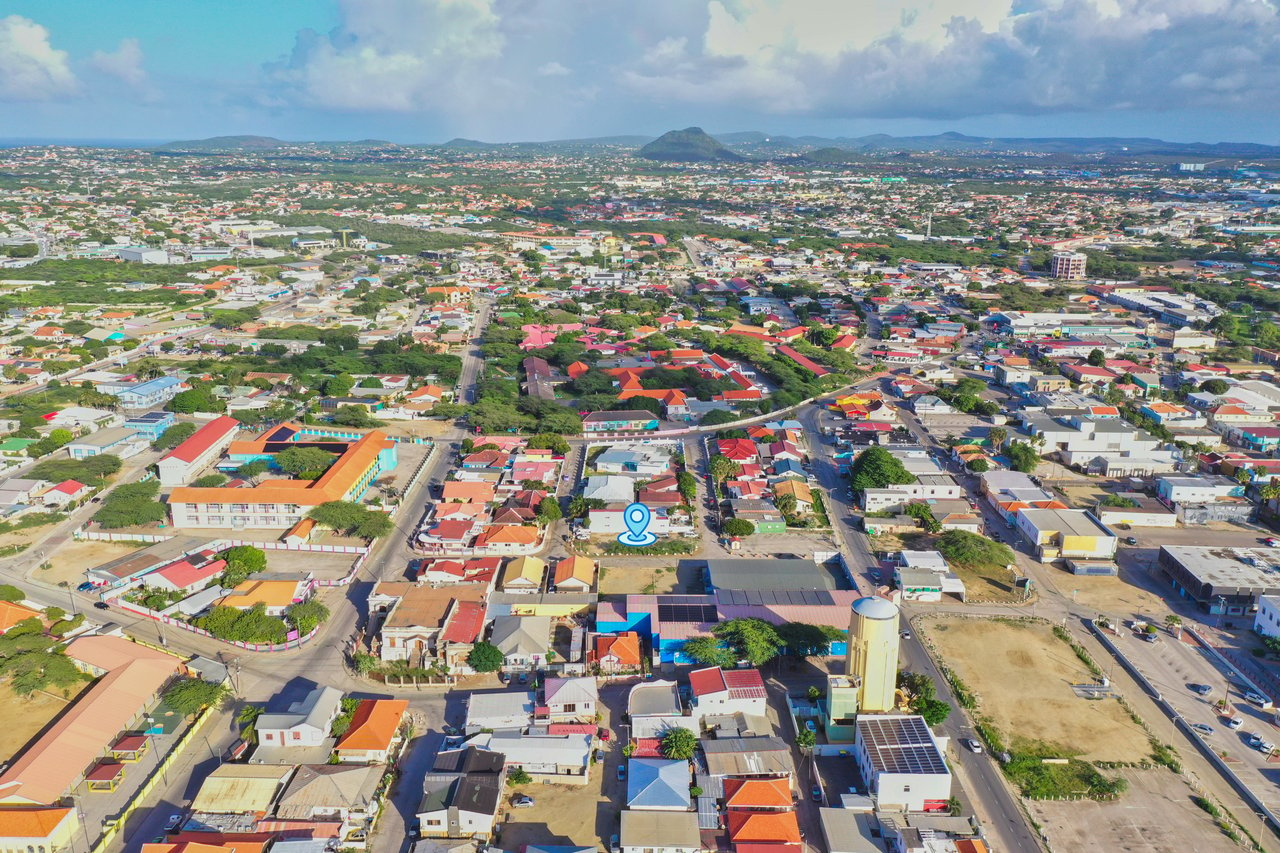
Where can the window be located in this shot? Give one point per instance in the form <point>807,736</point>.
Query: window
<point>297,735</point>
<point>570,708</point>
<point>434,823</point>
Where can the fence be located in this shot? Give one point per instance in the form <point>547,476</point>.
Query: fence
<point>109,834</point>
<point>139,610</point>
<point>217,544</point>
<point>1260,808</point>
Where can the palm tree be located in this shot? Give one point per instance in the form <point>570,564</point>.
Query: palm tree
<point>1270,492</point>
<point>248,720</point>
<point>998,436</point>
<point>1174,623</point>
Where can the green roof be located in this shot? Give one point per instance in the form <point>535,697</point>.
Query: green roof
<point>10,445</point>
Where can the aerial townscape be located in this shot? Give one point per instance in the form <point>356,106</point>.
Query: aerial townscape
<point>683,492</point>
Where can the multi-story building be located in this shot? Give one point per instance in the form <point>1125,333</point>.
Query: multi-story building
<point>1067,265</point>
<point>198,452</point>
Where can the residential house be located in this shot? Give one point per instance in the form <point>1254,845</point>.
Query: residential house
<point>618,652</point>
<point>414,617</point>
<point>374,732</point>
<point>563,759</point>
<point>461,794</point>
<point>328,801</point>
<point>524,574</point>
<point>523,640</point>
<point>276,595</point>
<point>630,420</point>
<point>64,493</point>
<point>306,723</point>
<point>117,441</point>
<point>715,691</point>
<point>652,831</point>
<point>574,574</point>
<point>658,784</point>
<point>567,699</point>
<point>499,711</point>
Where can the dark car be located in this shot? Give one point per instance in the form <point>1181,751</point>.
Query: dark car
<point>87,586</point>
<point>1200,689</point>
<point>815,793</point>
<point>102,605</point>
<point>1131,540</point>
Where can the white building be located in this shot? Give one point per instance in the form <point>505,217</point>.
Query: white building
<point>714,691</point>
<point>305,724</point>
<point>903,762</point>
<point>1267,620</point>
<point>202,449</point>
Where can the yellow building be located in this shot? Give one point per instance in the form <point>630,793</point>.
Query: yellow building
<point>872,659</point>
<point>1067,534</point>
<point>524,574</point>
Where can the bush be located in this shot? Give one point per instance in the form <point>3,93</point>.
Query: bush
<point>173,436</point>
<point>737,527</point>
<point>306,616</point>
<point>248,626</point>
<point>518,776</point>
<point>88,471</point>
<point>132,505</point>
<point>189,696</point>
<point>9,592</point>
<point>352,519</point>
<point>242,561</point>
<point>679,744</point>
<point>971,550</point>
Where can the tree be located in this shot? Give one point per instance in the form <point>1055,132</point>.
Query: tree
<point>251,471</point>
<point>209,481</point>
<point>196,400</point>
<point>737,527</point>
<point>548,441</point>
<point>248,720</point>
<point>242,562</point>
<point>978,465</point>
<point>786,504</point>
<point>1217,387</point>
<point>1023,457</point>
<point>924,513</point>
<point>354,416</point>
<point>722,468</point>
<point>338,386</point>
<point>549,510</point>
<point>805,640</point>
<point>173,436</point>
<point>307,463</point>
<point>518,776</point>
<point>1118,501</point>
<point>751,639</point>
<point>131,505</point>
<point>687,485</point>
<point>715,417</point>
<point>364,663</point>
<point>922,697</point>
<point>1096,357</point>
<point>708,651</point>
<point>875,468</point>
<point>190,696</point>
<point>970,549</point>
<point>1174,623</point>
<point>678,744</point>
<point>806,739</point>
<point>306,616</point>
<point>485,657</point>
<point>9,592</point>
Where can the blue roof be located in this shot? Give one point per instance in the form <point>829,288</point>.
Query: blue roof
<point>157,384</point>
<point>658,783</point>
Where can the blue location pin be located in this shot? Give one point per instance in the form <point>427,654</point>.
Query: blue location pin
<point>636,517</point>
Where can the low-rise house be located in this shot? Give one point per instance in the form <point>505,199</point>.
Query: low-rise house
<point>618,652</point>
<point>275,595</point>
<point>523,640</point>
<point>567,699</point>
<point>374,732</point>
<point>461,794</point>
<point>658,783</point>
<point>524,574</point>
<point>749,756</point>
<point>117,441</point>
<point>574,574</point>
<point>37,828</point>
<point>499,711</point>
<point>715,691</point>
<point>66,492</point>
<point>415,616</point>
<point>749,829</point>
<point>649,831</point>
<point>564,759</point>
<point>188,574</point>
<point>322,795</point>
<point>306,723</point>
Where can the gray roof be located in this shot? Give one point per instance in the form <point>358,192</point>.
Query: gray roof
<point>656,829</point>
<point>657,783</point>
<point>748,756</point>
<point>528,635</point>
<point>771,575</point>
<point>654,698</point>
<point>317,709</point>
<point>329,786</point>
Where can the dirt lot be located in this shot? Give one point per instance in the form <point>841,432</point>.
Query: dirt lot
<point>1113,596</point>
<point>1084,495</point>
<point>1155,814</point>
<point>622,577</point>
<point>73,558</point>
<point>1016,666</point>
<point>24,718</point>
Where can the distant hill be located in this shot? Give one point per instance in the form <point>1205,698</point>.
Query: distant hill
<point>960,143</point>
<point>691,145</point>
<point>225,143</point>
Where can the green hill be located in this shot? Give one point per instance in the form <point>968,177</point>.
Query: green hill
<point>691,145</point>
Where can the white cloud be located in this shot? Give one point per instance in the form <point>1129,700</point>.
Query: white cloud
<point>498,64</point>
<point>31,68</point>
<point>124,64</point>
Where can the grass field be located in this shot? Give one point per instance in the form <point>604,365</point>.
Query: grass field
<point>1022,676</point>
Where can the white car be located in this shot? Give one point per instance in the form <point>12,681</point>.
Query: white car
<point>1235,723</point>
<point>1202,729</point>
<point>1256,699</point>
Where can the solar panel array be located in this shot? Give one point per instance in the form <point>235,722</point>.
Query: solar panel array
<point>900,745</point>
<point>687,613</point>
<point>815,597</point>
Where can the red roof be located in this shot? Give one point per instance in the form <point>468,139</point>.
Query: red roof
<point>571,729</point>
<point>69,487</point>
<point>804,361</point>
<point>183,574</point>
<point>740,683</point>
<point>736,449</point>
<point>204,438</point>
<point>465,624</point>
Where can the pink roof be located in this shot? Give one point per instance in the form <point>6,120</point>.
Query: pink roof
<point>183,574</point>
<point>204,438</point>
<point>739,683</point>
<point>69,487</point>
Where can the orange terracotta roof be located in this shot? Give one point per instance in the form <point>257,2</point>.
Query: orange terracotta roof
<point>507,534</point>
<point>757,793</point>
<point>11,613</point>
<point>333,485</point>
<point>625,647</point>
<point>374,724</point>
<point>270,593</point>
<point>780,827</point>
<point>24,822</point>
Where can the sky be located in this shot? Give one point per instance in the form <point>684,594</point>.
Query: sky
<point>417,71</point>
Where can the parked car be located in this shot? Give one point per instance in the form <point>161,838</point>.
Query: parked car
<point>1202,728</point>
<point>1200,689</point>
<point>906,635</point>
<point>1131,540</point>
<point>503,678</point>
<point>1261,745</point>
<point>604,734</point>
<point>1271,542</point>
<point>815,793</point>
<point>172,823</point>
<point>614,846</point>
<point>622,772</point>
<point>102,605</point>
<point>87,586</point>
<point>1235,723</point>
<point>522,801</point>
<point>973,745</point>
<point>1255,698</point>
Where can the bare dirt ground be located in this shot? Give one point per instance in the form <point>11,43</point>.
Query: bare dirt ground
<point>422,428</point>
<point>323,565</point>
<point>1113,596</point>
<point>1156,814</point>
<point>24,537</point>
<point>24,718</point>
<point>1022,676</point>
<point>73,558</point>
<point>621,578</point>
<point>561,815</point>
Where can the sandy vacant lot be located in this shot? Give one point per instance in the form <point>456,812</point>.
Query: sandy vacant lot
<point>1156,814</point>
<point>24,718</point>
<point>1112,596</point>
<point>562,814</point>
<point>1022,675</point>
<point>73,558</point>
<point>621,579</point>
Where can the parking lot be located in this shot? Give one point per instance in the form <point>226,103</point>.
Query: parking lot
<point>1173,666</point>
